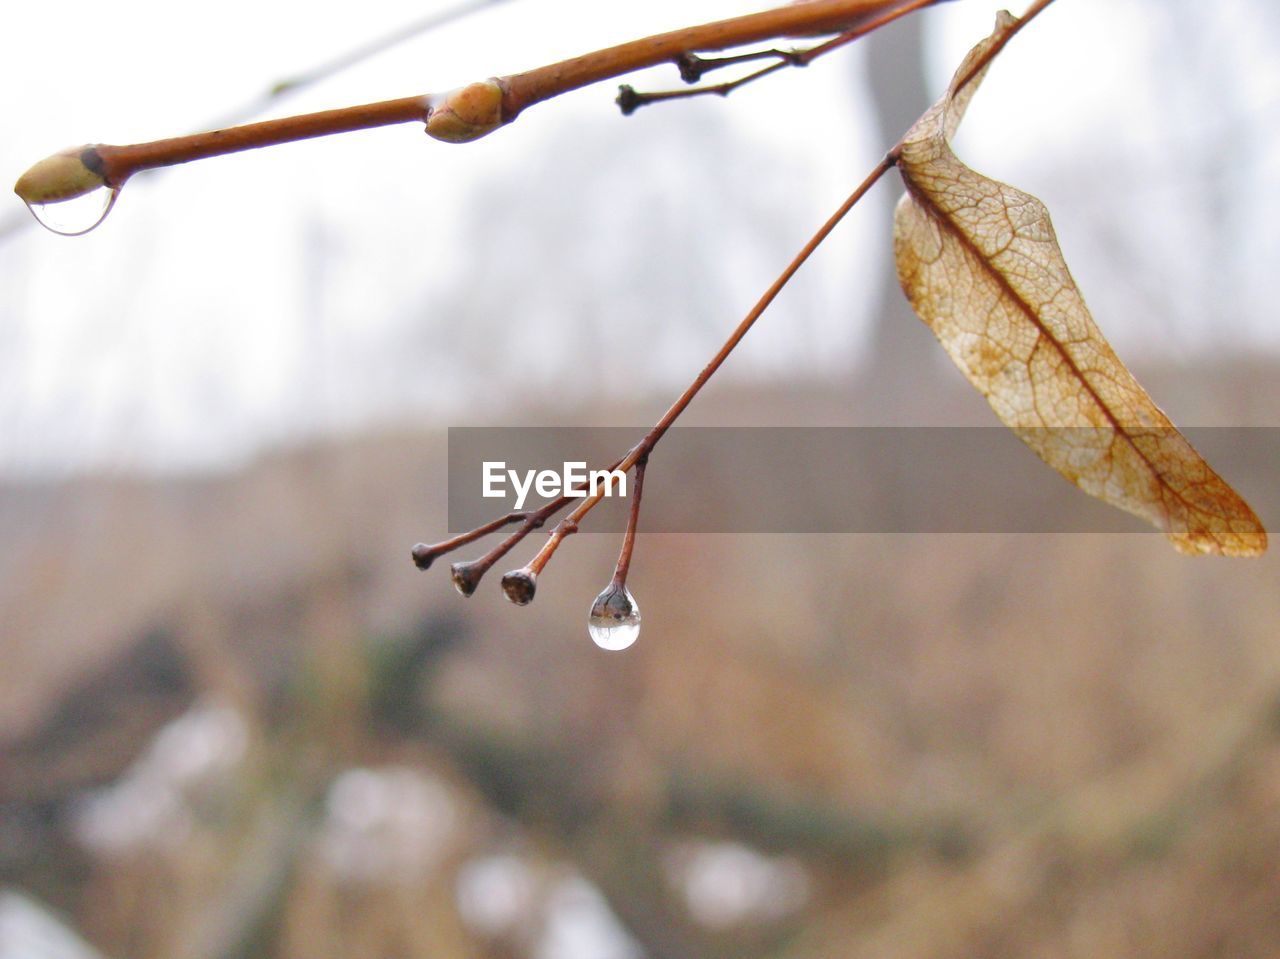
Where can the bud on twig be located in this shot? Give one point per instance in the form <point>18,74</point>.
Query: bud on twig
<point>520,585</point>
<point>64,176</point>
<point>467,113</point>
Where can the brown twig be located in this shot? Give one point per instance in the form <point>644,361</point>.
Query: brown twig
<point>797,19</point>
<point>467,575</point>
<point>692,66</point>
<point>457,116</point>
<point>633,519</point>
<point>276,91</point>
<point>521,584</point>
<point>121,162</point>
<point>424,555</point>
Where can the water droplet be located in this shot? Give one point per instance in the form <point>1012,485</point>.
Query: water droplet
<point>615,618</point>
<point>77,216</point>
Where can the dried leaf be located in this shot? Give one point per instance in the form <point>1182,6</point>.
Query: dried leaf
<point>981,265</point>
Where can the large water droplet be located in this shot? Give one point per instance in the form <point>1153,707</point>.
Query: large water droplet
<point>77,216</point>
<point>615,618</point>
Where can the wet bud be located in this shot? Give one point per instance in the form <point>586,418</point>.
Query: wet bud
<point>520,585</point>
<point>467,576</point>
<point>63,176</point>
<point>467,113</point>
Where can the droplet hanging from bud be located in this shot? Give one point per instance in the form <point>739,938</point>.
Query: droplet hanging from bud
<point>614,622</point>
<point>76,216</point>
<point>65,192</point>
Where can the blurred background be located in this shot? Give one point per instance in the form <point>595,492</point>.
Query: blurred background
<point>235,721</point>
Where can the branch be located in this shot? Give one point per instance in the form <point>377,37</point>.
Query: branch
<point>520,584</point>
<point>811,18</point>
<point>457,116</point>
<point>281,88</point>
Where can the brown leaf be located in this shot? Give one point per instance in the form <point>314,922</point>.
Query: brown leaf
<point>980,263</point>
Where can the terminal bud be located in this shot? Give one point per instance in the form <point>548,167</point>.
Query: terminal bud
<point>520,585</point>
<point>64,176</point>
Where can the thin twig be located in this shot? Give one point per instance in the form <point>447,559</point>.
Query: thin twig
<point>814,17</point>
<point>520,584</point>
<point>316,74</point>
<point>692,66</point>
<point>463,114</point>
<point>424,555</point>
<point>633,519</point>
<point>569,525</point>
<point>630,99</point>
<point>467,575</point>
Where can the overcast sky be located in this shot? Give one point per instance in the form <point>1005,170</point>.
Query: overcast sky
<point>237,302</point>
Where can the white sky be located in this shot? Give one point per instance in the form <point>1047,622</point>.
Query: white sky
<point>241,301</point>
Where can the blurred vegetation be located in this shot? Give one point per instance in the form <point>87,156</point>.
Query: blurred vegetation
<point>236,722</point>
<point>241,724</point>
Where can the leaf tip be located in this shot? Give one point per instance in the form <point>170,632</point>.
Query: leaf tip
<point>1230,529</point>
